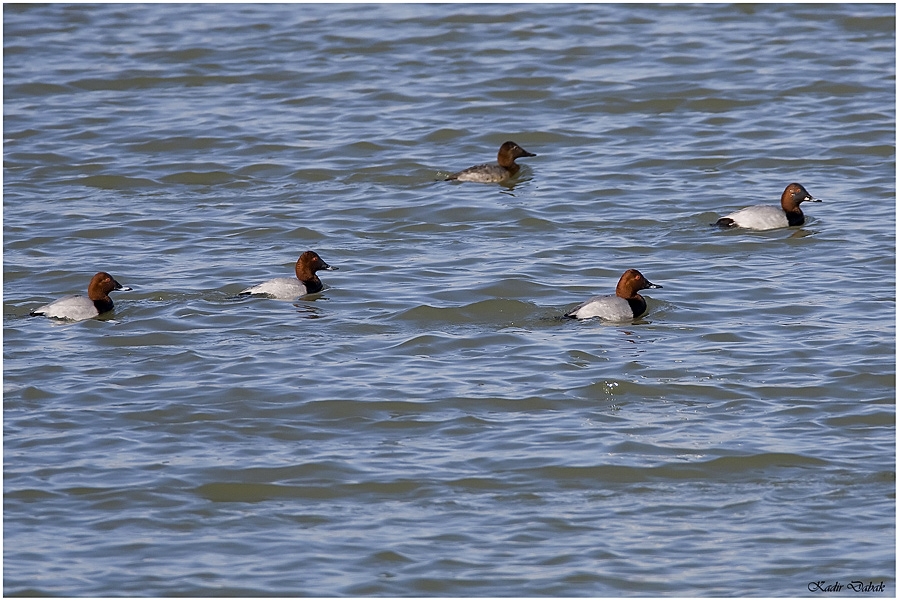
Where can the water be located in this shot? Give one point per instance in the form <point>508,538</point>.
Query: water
<point>429,424</point>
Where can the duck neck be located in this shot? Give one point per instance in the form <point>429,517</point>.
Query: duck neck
<point>103,304</point>
<point>312,284</point>
<point>795,217</point>
<point>638,305</point>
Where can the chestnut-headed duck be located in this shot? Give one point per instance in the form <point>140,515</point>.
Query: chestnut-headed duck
<point>625,305</point>
<point>76,307</point>
<point>770,217</point>
<point>306,281</point>
<point>487,173</point>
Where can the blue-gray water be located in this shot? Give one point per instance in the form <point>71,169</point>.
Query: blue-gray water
<point>429,424</point>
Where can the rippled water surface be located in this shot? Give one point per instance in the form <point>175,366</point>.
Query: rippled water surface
<point>429,424</point>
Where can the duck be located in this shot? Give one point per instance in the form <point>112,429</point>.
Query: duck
<point>489,174</point>
<point>625,305</point>
<point>770,217</point>
<point>306,281</point>
<point>76,307</point>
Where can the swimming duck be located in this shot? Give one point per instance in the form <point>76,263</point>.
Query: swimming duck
<point>487,174</point>
<point>76,307</point>
<point>626,304</point>
<point>306,281</point>
<point>769,217</point>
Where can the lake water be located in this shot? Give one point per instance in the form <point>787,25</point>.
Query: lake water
<point>429,424</point>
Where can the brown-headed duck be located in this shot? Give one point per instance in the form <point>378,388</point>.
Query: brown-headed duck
<point>306,281</point>
<point>625,305</point>
<point>488,174</point>
<point>770,217</point>
<point>76,307</point>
